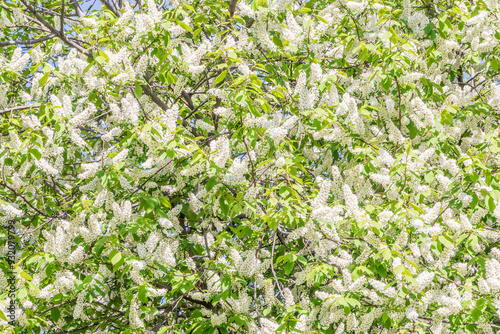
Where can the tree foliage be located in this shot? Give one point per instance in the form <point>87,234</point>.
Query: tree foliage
<point>278,166</point>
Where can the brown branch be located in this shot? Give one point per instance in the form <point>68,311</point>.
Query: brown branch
<point>62,36</point>
<point>149,178</point>
<point>78,10</point>
<point>111,8</point>
<point>200,302</point>
<point>61,30</point>
<point>188,99</point>
<point>399,101</point>
<point>28,41</point>
<point>79,328</point>
<point>272,265</point>
<point>25,200</point>
<point>159,102</point>
<point>28,232</point>
<point>196,109</point>
<point>108,307</point>
<point>232,7</point>
<point>17,108</point>
<point>49,309</point>
<point>249,157</point>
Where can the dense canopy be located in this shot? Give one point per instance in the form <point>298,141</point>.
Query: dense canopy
<point>279,166</point>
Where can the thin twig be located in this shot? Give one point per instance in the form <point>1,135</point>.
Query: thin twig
<point>17,108</point>
<point>28,232</point>
<point>272,265</point>
<point>28,41</point>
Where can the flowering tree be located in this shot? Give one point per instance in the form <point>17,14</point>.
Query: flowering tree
<point>268,167</point>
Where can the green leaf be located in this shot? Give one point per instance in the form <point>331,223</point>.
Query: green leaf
<point>289,267</point>
<point>429,177</point>
<point>26,276</point>
<point>273,224</point>
<point>34,287</point>
<point>43,80</point>
<point>35,153</point>
<point>445,241</point>
<point>171,78</point>
<point>87,279</point>
<point>165,202</point>
<point>446,118</point>
<point>220,77</point>
<point>189,7</point>
<point>115,256</point>
<point>322,19</point>
<point>353,302</point>
<point>495,194</point>
<point>224,205</point>
<point>387,322</point>
<point>386,254</point>
<point>57,298</point>
<point>264,105</point>
<point>23,293</point>
<point>490,202</point>
<point>475,200</point>
<point>382,271</point>
<point>342,301</point>
<point>399,269</point>
<point>363,55</point>
<point>100,59</point>
<point>210,183</point>
<point>277,41</point>
<point>386,83</point>
<point>184,26</point>
<point>138,91</point>
<point>104,55</point>
<point>494,64</point>
<point>142,294</point>
<point>55,314</point>
<point>148,203</point>
<point>475,314</point>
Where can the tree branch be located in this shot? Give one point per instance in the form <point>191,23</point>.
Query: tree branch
<point>28,41</point>
<point>61,30</point>
<point>78,10</point>
<point>399,101</point>
<point>232,7</point>
<point>111,8</point>
<point>25,200</point>
<point>63,37</point>
<point>159,102</point>
<point>17,108</point>
<point>28,232</point>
